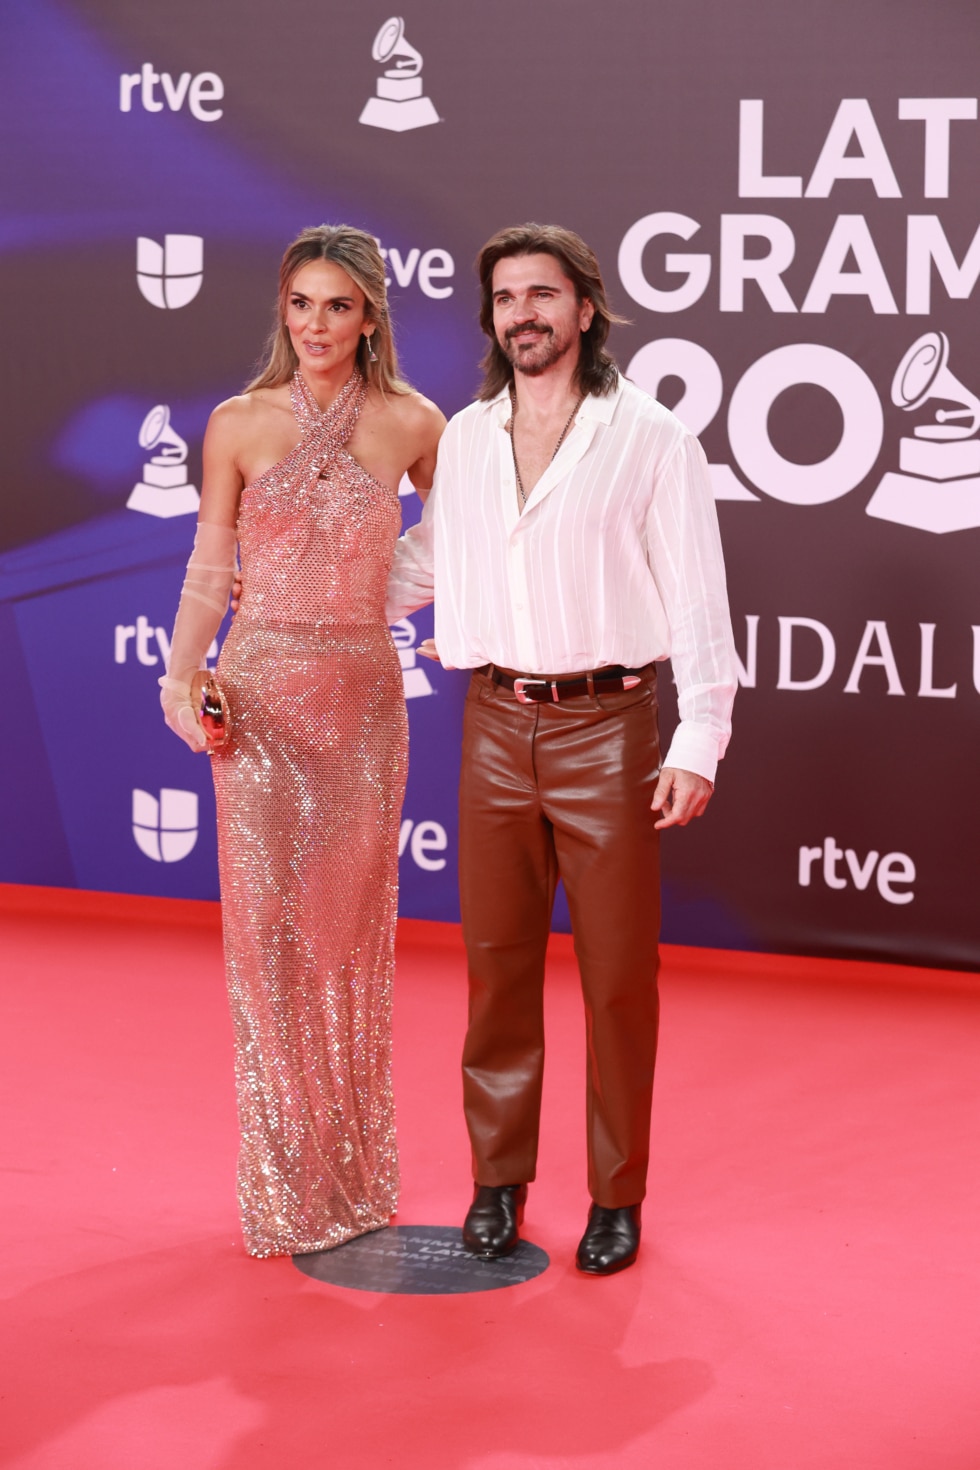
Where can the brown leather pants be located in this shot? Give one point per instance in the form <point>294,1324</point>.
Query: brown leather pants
<point>549,789</point>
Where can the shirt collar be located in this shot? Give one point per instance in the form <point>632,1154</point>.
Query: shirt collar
<point>594,408</point>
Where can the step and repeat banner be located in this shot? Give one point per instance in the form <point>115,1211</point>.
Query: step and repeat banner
<point>785,205</point>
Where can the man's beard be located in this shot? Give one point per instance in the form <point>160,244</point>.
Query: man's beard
<point>532,366</point>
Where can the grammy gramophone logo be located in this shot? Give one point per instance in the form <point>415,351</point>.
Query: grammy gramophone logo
<point>163,490</point>
<point>937,485</point>
<point>399,104</point>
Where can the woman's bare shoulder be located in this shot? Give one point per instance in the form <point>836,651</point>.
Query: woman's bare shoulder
<point>249,413</point>
<point>252,408</point>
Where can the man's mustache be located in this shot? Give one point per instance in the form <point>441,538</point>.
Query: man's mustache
<point>520,330</point>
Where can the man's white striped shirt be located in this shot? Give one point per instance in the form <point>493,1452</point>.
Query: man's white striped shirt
<point>616,558</point>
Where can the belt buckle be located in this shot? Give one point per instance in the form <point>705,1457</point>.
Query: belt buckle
<point>521,684</point>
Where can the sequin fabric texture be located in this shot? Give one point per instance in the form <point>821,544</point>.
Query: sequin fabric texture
<point>309,792</point>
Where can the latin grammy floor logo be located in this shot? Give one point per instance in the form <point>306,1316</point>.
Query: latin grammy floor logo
<point>164,490</point>
<point>170,275</point>
<point>937,485</point>
<point>399,104</point>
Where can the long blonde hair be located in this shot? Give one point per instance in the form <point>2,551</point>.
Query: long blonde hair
<point>357,253</point>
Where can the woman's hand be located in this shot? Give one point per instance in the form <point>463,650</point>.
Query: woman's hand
<point>180,705</point>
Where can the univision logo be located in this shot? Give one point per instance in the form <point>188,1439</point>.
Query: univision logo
<point>165,829</point>
<point>170,275</point>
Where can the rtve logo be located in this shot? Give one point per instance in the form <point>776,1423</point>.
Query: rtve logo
<point>170,275</point>
<point>422,839</point>
<point>206,87</point>
<point>166,829</point>
<point>150,645</point>
<point>426,267</point>
<point>894,868</point>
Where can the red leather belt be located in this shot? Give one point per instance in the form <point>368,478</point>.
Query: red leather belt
<point>532,689</point>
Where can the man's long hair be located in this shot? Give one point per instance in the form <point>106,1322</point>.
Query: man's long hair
<point>597,370</point>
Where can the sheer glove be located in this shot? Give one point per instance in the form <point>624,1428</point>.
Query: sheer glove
<point>203,604</point>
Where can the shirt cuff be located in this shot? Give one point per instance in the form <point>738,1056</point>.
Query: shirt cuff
<point>403,599</point>
<point>695,748</point>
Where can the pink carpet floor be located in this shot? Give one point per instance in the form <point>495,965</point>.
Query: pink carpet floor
<point>806,1297</point>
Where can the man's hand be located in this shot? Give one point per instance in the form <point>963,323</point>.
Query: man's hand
<point>427,648</point>
<point>680,795</point>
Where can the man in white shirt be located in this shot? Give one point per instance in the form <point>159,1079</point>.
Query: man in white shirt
<point>570,542</point>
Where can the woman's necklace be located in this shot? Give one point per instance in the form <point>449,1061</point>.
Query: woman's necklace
<point>513,448</point>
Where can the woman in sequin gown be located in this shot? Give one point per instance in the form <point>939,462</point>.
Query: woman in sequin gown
<point>309,785</point>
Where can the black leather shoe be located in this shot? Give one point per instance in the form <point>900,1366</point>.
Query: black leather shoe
<point>611,1241</point>
<point>491,1225</point>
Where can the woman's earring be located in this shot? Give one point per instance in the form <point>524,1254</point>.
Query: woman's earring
<point>372,355</point>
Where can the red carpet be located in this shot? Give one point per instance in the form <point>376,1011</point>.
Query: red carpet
<point>806,1298</point>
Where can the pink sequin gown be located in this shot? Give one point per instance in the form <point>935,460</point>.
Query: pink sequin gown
<point>309,794</point>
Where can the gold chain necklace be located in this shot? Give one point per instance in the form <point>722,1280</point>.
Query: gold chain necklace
<point>513,447</point>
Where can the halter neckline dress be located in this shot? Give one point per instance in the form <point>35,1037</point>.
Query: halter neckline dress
<point>309,791</point>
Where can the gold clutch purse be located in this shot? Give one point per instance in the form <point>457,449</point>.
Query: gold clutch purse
<point>215,715</point>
